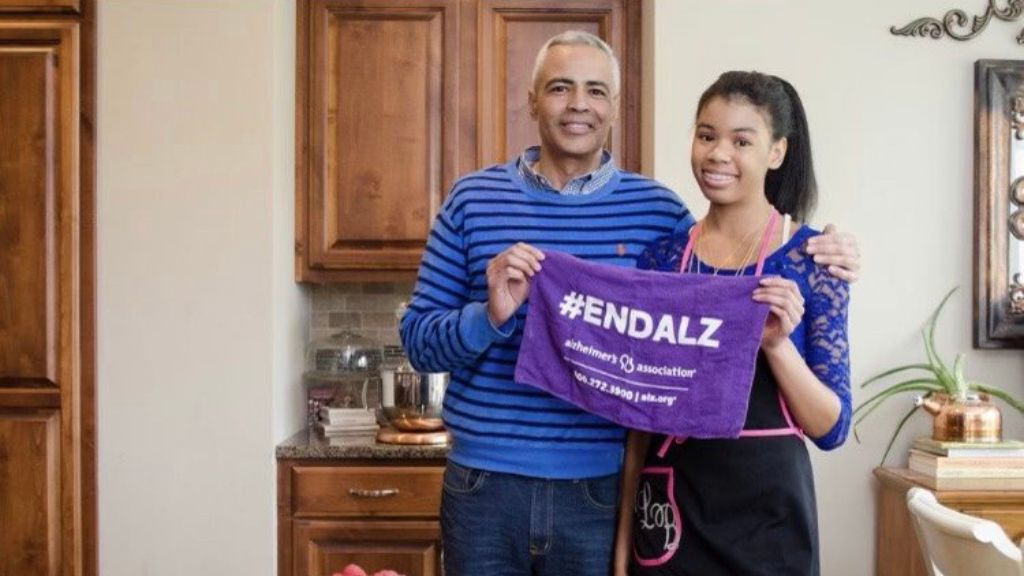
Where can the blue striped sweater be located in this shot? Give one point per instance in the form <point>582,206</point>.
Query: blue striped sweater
<point>496,423</point>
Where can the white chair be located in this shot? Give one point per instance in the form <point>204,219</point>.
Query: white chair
<point>955,544</point>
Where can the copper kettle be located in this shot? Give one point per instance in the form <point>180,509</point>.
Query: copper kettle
<point>973,419</point>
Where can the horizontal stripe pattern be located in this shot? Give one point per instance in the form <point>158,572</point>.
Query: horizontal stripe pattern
<point>446,330</point>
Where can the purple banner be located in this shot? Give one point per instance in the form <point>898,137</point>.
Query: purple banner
<point>668,353</point>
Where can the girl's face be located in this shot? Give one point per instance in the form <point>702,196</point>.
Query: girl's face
<point>733,150</point>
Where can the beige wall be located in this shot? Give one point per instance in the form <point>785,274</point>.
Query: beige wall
<point>892,126</point>
<point>200,326</point>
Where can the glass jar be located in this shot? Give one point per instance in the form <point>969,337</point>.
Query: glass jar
<point>343,371</point>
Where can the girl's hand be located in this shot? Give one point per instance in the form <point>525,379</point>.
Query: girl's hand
<point>786,309</point>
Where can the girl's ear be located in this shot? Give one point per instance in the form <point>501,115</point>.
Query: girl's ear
<point>778,153</point>
<point>531,98</point>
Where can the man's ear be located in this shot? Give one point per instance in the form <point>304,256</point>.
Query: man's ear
<point>777,155</point>
<point>531,99</point>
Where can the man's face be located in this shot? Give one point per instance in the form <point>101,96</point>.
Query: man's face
<point>573,102</point>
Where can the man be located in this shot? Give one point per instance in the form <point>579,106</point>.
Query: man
<point>532,482</point>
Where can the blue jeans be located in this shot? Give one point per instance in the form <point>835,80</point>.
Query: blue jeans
<point>498,524</point>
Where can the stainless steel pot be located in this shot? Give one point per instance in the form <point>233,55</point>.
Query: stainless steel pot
<point>411,401</point>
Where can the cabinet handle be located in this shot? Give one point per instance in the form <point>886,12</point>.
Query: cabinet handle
<point>360,493</point>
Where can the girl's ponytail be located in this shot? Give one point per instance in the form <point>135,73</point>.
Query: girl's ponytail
<point>793,188</point>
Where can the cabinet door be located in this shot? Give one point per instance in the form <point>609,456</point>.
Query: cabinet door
<point>40,5</point>
<point>45,416</point>
<point>382,130</point>
<point>396,98</point>
<point>29,505</point>
<point>410,548</point>
<point>511,33</point>
<point>38,190</point>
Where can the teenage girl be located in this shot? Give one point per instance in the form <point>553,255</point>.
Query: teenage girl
<point>746,506</point>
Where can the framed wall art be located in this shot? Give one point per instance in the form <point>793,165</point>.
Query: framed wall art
<point>999,204</point>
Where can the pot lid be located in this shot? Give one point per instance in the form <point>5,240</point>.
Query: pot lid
<point>344,353</point>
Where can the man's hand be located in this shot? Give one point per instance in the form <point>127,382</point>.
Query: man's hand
<point>508,280</point>
<point>838,251</point>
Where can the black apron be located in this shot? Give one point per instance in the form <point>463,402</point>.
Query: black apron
<point>734,507</point>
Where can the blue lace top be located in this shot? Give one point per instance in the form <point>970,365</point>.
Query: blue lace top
<point>821,337</point>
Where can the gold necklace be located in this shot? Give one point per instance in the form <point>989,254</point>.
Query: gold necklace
<point>747,240</point>
<point>747,258</point>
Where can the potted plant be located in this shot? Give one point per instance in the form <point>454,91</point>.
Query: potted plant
<point>938,385</point>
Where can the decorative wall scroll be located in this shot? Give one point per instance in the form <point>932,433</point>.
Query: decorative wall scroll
<point>1017,111</point>
<point>1017,295</point>
<point>1016,222</point>
<point>955,22</point>
<point>999,204</point>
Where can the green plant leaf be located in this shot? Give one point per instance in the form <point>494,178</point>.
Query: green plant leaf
<point>892,440</point>
<point>926,384</point>
<point>937,367</point>
<point>993,391</point>
<point>958,376</point>
<point>881,399</point>
<point>925,367</point>
<point>945,377</point>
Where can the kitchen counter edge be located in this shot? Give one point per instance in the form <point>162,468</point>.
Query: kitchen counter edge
<point>312,445</point>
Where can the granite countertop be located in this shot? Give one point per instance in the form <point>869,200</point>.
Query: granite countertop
<point>312,445</point>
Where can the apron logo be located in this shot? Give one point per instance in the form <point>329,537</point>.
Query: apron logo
<point>658,515</point>
<point>636,323</point>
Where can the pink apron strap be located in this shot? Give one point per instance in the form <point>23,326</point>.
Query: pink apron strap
<point>791,428</point>
<point>766,240</point>
<point>688,251</point>
<point>668,444</point>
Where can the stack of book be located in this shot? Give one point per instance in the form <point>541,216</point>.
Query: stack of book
<point>968,466</point>
<point>347,422</point>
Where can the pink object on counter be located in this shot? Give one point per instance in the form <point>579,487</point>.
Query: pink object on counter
<point>353,570</point>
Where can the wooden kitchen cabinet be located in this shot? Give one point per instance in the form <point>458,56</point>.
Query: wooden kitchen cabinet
<point>40,6</point>
<point>396,98</point>
<point>47,298</point>
<point>379,514</point>
<point>897,550</point>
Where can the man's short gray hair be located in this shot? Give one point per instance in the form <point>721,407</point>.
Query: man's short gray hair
<point>577,38</point>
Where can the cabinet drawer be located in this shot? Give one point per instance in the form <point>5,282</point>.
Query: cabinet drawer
<point>1010,518</point>
<point>411,547</point>
<point>408,491</point>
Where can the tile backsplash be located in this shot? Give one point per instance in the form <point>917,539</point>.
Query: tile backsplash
<point>367,308</point>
